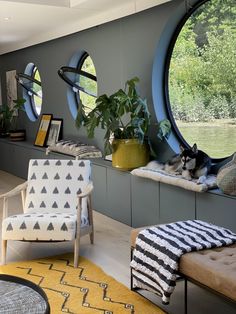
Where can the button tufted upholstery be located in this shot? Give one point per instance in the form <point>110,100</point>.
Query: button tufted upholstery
<point>214,268</point>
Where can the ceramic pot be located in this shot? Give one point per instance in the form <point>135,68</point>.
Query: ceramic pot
<point>129,154</point>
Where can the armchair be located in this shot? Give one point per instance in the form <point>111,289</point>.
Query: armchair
<point>56,200</point>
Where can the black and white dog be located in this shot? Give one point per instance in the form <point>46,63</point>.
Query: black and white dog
<point>195,163</point>
<point>191,163</point>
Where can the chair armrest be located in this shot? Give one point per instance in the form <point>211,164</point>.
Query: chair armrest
<point>87,191</point>
<point>17,190</point>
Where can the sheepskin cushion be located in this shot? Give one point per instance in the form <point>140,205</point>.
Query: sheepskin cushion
<point>226,177</point>
<point>175,179</point>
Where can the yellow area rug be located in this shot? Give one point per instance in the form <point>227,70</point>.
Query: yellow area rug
<point>83,290</point>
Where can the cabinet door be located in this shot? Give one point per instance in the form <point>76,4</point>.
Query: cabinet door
<point>21,159</point>
<point>145,202</point>
<point>176,204</point>
<point>6,153</point>
<point>217,209</point>
<point>118,195</point>
<point>99,195</point>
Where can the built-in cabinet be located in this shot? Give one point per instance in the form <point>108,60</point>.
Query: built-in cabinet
<point>217,208</point>
<point>176,203</point>
<point>132,200</point>
<point>145,201</point>
<point>99,178</point>
<point>15,158</point>
<point>118,195</point>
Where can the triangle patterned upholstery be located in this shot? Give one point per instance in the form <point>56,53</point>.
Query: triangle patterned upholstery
<point>51,201</point>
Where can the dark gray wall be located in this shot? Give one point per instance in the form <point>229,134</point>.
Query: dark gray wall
<point>120,50</point>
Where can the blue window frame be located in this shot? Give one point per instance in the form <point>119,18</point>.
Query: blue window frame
<point>198,40</point>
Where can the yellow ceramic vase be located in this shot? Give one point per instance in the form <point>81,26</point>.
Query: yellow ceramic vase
<point>129,154</point>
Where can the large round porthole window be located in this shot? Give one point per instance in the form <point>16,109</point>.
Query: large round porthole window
<point>80,75</point>
<point>201,92</point>
<point>30,80</point>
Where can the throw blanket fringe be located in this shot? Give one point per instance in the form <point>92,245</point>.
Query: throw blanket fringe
<point>159,248</point>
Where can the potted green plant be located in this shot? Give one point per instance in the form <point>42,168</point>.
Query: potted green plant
<point>8,120</point>
<point>125,117</point>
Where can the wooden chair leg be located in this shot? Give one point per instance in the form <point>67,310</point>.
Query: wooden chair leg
<point>91,235</point>
<point>90,214</point>
<point>76,252</point>
<point>4,251</point>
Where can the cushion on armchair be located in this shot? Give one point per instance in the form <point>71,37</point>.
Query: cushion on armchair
<point>34,226</point>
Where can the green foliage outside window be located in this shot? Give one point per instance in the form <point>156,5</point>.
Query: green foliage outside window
<point>90,85</point>
<point>38,89</point>
<point>202,71</point>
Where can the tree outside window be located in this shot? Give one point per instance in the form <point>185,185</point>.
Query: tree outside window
<point>202,76</point>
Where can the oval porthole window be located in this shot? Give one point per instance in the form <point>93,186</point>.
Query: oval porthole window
<point>80,75</point>
<point>201,75</point>
<point>30,80</point>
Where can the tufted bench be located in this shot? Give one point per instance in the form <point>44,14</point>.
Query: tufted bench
<point>214,269</point>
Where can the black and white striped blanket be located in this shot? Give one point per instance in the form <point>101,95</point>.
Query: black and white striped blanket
<point>159,248</point>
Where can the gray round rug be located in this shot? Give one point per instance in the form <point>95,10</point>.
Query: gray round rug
<point>20,296</point>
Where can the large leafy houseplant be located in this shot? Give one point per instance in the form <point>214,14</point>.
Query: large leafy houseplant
<point>124,115</point>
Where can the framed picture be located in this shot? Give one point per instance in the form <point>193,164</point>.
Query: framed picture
<point>55,131</point>
<point>43,129</point>
<point>11,89</point>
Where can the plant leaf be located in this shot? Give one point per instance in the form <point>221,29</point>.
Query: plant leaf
<point>164,129</point>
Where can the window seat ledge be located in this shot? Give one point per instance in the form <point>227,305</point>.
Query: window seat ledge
<point>177,180</point>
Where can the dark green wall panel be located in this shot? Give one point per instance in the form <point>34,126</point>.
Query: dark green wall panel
<point>217,209</point>
<point>99,196</point>
<point>118,195</point>
<point>145,202</point>
<point>176,204</point>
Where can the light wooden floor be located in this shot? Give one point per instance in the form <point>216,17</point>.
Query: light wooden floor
<point>111,251</point>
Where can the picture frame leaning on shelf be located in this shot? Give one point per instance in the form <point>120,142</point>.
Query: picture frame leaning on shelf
<point>55,132</point>
<point>43,130</point>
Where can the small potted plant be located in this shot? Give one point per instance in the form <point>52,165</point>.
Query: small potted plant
<point>125,117</point>
<point>8,120</point>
